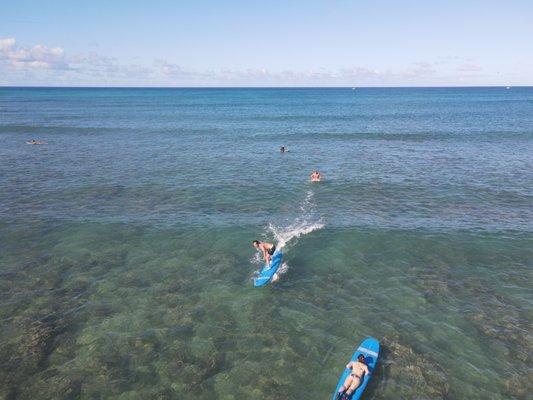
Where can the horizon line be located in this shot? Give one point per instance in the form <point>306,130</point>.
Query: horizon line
<point>258,87</point>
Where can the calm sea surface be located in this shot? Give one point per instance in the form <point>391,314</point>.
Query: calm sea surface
<point>126,263</point>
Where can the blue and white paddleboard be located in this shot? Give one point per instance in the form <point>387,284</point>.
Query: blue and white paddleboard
<point>267,273</point>
<point>370,349</point>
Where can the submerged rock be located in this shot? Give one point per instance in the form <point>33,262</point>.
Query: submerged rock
<point>520,385</point>
<point>410,375</point>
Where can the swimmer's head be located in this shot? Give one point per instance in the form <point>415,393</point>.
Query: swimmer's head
<point>361,358</point>
<point>255,243</point>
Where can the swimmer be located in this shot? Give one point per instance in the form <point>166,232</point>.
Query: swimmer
<point>283,149</point>
<point>33,141</point>
<point>352,382</point>
<point>315,176</point>
<point>268,250</point>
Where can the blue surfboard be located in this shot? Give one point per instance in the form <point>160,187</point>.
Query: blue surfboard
<point>267,273</point>
<point>370,349</point>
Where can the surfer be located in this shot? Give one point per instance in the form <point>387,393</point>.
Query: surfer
<point>268,249</point>
<point>315,176</point>
<point>33,141</point>
<point>359,369</point>
<point>282,149</point>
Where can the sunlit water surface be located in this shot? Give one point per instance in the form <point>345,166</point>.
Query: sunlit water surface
<point>126,263</point>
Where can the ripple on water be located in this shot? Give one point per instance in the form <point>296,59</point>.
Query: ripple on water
<point>124,269</point>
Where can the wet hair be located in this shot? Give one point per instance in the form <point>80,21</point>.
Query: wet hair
<point>255,242</point>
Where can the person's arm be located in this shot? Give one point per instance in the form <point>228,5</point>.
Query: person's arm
<point>367,371</point>
<point>265,253</point>
<point>349,365</point>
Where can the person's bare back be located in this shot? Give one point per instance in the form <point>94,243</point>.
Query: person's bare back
<point>315,176</point>
<point>358,369</point>
<point>267,249</point>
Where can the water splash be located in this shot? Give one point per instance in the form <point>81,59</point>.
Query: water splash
<point>285,235</point>
<point>257,258</point>
<point>282,270</point>
<point>307,222</point>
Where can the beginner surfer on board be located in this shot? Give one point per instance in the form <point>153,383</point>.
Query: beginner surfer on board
<point>359,369</point>
<point>268,250</point>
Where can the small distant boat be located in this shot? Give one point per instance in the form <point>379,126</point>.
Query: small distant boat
<point>353,88</point>
<point>508,87</point>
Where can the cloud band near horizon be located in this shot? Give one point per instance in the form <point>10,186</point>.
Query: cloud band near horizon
<point>52,66</point>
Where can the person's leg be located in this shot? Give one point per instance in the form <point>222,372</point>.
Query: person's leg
<point>354,385</point>
<point>346,385</point>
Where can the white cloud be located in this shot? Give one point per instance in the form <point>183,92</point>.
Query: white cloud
<point>469,67</point>
<point>171,70</point>
<point>41,64</point>
<point>343,76</point>
<point>38,56</point>
<point>6,43</point>
<point>52,65</point>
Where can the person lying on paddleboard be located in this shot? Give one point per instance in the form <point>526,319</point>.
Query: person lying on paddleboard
<point>359,369</point>
<point>315,176</point>
<point>268,249</point>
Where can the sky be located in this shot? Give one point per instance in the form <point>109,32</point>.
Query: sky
<point>266,43</point>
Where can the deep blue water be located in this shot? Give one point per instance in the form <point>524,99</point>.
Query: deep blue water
<point>125,256</point>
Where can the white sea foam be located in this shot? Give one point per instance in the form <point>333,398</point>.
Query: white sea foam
<point>257,258</point>
<point>305,223</point>
<point>284,235</point>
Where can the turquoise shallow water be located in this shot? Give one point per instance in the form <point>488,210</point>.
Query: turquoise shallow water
<point>125,259</point>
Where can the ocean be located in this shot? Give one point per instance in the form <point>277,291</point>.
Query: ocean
<point>126,262</point>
